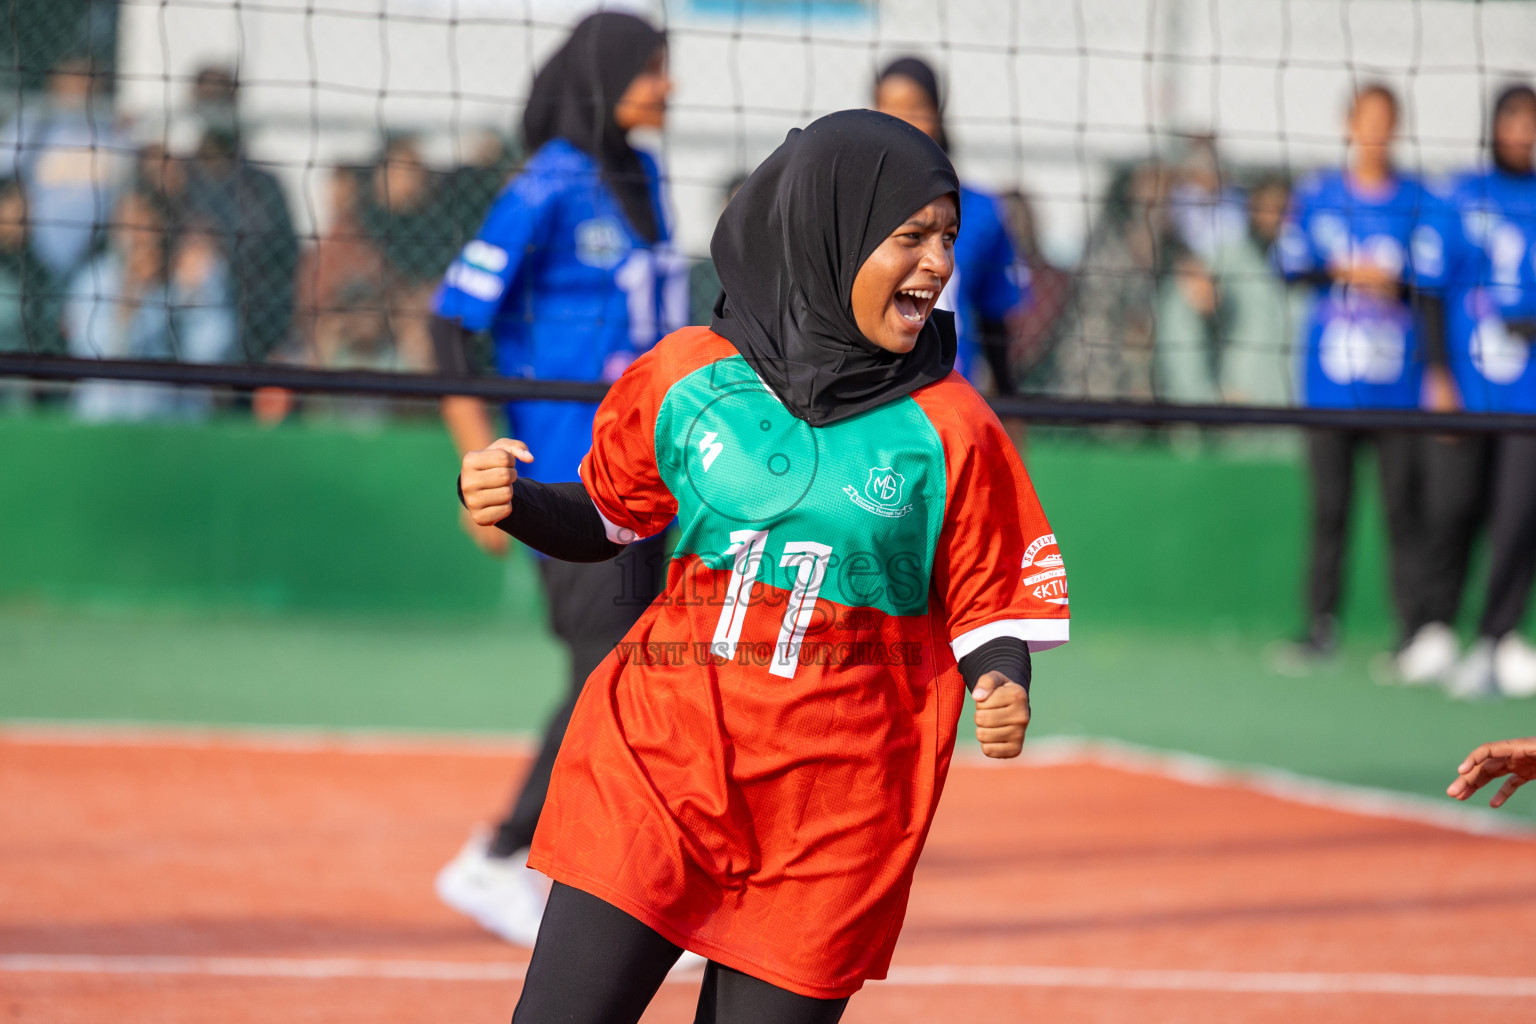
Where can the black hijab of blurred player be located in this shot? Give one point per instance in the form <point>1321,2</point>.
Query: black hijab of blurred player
<point>790,244</point>
<point>574,94</point>
<point>921,74</point>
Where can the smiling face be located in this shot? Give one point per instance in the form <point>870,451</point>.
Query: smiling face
<point>898,285</point>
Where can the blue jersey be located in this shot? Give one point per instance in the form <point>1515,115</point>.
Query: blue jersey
<point>568,292</point>
<point>990,281</point>
<point>1362,350</point>
<point>1493,280</point>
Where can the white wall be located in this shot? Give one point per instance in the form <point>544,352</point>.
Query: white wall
<point>1044,93</point>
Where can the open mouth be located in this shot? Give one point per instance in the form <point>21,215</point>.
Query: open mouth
<point>914,304</point>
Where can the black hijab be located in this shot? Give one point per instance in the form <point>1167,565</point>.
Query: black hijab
<point>793,239</point>
<point>573,97</point>
<point>922,73</point>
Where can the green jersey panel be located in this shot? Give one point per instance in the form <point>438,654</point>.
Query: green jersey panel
<point>871,488</point>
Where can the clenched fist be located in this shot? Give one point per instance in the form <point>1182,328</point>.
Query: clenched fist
<point>486,480</point>
<point>1002,715</point>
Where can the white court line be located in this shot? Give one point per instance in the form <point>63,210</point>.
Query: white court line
<point>1192,769</point>
<point>1293,787</point>
<point>1014,976</point>
<point>263,967</point>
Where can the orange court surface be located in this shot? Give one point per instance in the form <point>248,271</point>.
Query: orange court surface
<point>176,876</point>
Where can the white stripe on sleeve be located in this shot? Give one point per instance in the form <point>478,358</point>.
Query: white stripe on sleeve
<point>1039,634</point>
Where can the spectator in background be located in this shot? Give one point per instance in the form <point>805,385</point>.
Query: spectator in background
<point>30,297</point>
<point>72,162</point>
<point>1207,213</point>
<point>160,173</point>
<point>1260,313</point>
<point>1105,346</point>
<point>247,210</point>
<point>1369,240</point>
<point>1224,322</point>
<point>1050,289</point>
<point>413,227</point>
<point>1490,327</point>
<point>342,274</point>
<point>152,294</point>
<point>1204,217</point>
<point>353,334</point>
<point>342,306</point>
<point>990,283</point>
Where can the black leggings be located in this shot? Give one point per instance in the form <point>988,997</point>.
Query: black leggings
<point>594,964</point>
<point>1511,535</point>
<point>1331,458</point>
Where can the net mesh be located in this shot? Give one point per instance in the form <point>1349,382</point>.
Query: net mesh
<point>261,193</point>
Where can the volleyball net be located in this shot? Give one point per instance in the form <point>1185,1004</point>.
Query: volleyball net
<point>264,194</point>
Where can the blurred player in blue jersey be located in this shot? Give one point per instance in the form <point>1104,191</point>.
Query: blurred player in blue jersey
<point>1491,322</point>
<point>1370,239</point>
<point>572,275</point>
<point>991,283</point>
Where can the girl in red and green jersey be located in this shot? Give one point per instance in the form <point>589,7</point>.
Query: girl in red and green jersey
<point>753,771</point>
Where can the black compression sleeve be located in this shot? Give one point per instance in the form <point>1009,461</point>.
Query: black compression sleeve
<point>558,520</point>
<point>451,344</point>
<point>1007,654</point>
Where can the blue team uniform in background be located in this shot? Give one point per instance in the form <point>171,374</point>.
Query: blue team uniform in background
<point>990,281</point>
<point>567,290</point>
<point>1492,280</point>
<point>1363,351</point>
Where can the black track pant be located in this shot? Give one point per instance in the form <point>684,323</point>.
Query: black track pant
<point>594,964</point>
<point>591,607</point>
<point>1331,459</point>
<point>1455,494</point>
<point>1511,535</point>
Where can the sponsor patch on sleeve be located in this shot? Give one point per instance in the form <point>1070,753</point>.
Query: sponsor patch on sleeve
<point>1050,584</point>
<point>474,282</point>
<point>485,256</point>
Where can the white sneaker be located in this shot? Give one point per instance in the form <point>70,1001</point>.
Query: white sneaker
<point>1474,678</point>
<point>502,894</point>
<point>1429,656</point>
<point>1514,666</point>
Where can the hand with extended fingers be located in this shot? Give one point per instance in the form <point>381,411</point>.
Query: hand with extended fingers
<point>1514,758</point>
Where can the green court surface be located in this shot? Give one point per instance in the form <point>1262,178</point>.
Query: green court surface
<point>317,578</point>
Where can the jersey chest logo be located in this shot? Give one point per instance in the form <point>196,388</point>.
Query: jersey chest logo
<point>600,242</point>
<point>882,493</point>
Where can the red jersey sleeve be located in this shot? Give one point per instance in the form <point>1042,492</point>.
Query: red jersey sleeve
<point>998,570</point>
<point>620,471</point>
